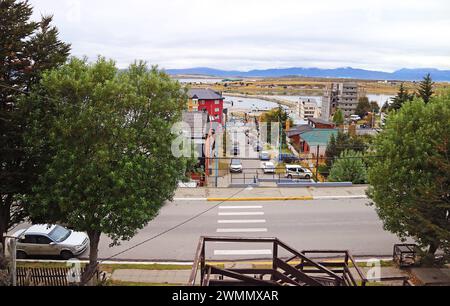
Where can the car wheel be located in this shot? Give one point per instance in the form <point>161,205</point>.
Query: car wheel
<point>307,177</point>
<point>21,255</point>
<point>66,255</point>
<point>290,177</point>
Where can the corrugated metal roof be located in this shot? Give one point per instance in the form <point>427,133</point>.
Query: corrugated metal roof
<point>318,136</point>
<point>297,130</point>
<point>204,94</point>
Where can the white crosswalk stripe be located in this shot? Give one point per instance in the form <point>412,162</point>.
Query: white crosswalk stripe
<point>241,230</point>
<point>247,213</point>
<point>241,221</point>
<point>241,252</point>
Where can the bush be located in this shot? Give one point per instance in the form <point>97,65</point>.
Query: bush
<point>349,167</point>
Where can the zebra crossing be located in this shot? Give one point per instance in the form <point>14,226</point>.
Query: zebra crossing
<point>239,220</point>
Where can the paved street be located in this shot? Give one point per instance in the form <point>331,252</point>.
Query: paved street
<point>321,224</point>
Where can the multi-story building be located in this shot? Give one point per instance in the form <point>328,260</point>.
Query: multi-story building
<point>307,109</point>
<point>206,100</point>
<point>343,96</point>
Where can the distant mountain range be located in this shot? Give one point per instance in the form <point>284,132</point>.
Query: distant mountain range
<point>348,72</point>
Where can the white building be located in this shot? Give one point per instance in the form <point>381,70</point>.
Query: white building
<point>307,109</point>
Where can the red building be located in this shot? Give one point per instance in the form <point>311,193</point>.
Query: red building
<point>209,101</point>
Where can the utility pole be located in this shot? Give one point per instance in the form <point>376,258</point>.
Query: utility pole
<point>317,162</point>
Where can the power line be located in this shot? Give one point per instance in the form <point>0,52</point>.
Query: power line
<point>172,228</point>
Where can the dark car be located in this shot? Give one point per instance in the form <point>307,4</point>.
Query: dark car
<point>289,158</point>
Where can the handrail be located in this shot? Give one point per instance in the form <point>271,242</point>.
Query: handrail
<point>357,268</point>
<point>196,262</point>
<point>314,263</point>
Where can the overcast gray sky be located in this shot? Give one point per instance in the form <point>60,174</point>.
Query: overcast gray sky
<point>257,34</point>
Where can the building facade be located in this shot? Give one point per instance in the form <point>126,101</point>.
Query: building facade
<point>343,96</point>
<point>307,109</point>
<point>208,101</point>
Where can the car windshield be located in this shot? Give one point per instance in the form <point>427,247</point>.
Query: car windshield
<point>236,162</point>
<point>59,234</point>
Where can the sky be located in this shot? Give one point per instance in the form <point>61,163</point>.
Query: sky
<point>383,35</point>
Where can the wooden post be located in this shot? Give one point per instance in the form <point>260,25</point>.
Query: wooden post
<point>12,253</point>
<point>317,163</point>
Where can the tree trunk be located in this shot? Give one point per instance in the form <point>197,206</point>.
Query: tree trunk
<point>94,237</point>
<point>5,206</point>
<point>434,246</point>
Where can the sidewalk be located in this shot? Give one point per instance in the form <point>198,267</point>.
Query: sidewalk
<point>309,193</point>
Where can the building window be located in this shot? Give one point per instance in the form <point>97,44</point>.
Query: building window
<point>217,110</point>
<point>217,102</point>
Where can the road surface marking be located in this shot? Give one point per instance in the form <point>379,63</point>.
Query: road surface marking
<point>242,252</point>
<point>241,221</point>
<point>241,230</point>
<point>240,207</point>
<point>241,214</point>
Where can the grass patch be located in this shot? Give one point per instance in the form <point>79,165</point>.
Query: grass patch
<point>112,267</point>
<point>32,265</point>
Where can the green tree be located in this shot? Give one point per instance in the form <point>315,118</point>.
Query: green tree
<point>27,48</point>
<point>401,98</point>
<point>276,115</point>
<point>105,142</point>
<point>374,107</point>
<point>385,107</point>
<point>425,90</point>
<point>338,117</point>
<point>342,142</point>
<point>363,107</point>
<point>349,167</point>
<point>410,179</point>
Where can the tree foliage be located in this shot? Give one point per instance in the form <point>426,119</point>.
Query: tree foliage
<point>410,182</point>
<point>338,117</point>
<point>401,98</point>
<point>27,48</point>
<point>374,107</point>
<point>276,115</point>
<point>104,140</point>
<point>349,167</point>
<point>363,107</point>
<point>425,90</point>
<point>342,142</point>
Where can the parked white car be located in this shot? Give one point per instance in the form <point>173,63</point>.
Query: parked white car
<point>236,166</point>
<point>298,172</point>
<point>50,240</point>
<point>268,167</point>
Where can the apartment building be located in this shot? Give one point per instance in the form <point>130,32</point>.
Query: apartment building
<point>343,96</point>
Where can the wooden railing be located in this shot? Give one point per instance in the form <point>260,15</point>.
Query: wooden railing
<point>49,276</point>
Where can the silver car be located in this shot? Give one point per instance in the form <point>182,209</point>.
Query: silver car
<point>50,240</point>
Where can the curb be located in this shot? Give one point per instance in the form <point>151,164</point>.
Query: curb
<point>256,199</point>
<point>305,198</point>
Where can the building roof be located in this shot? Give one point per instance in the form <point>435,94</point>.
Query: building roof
<point>320,121</point>
<point>318,136</point>
<point>299,129</point>
<point>204,94</point>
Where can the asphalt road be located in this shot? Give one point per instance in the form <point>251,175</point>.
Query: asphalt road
<point>321,224</point>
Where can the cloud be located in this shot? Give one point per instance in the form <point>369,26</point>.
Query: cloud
<point>251,34</point>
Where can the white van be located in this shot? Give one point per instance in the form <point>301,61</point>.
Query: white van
<point>355,118</point>
<point>297,172</point>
